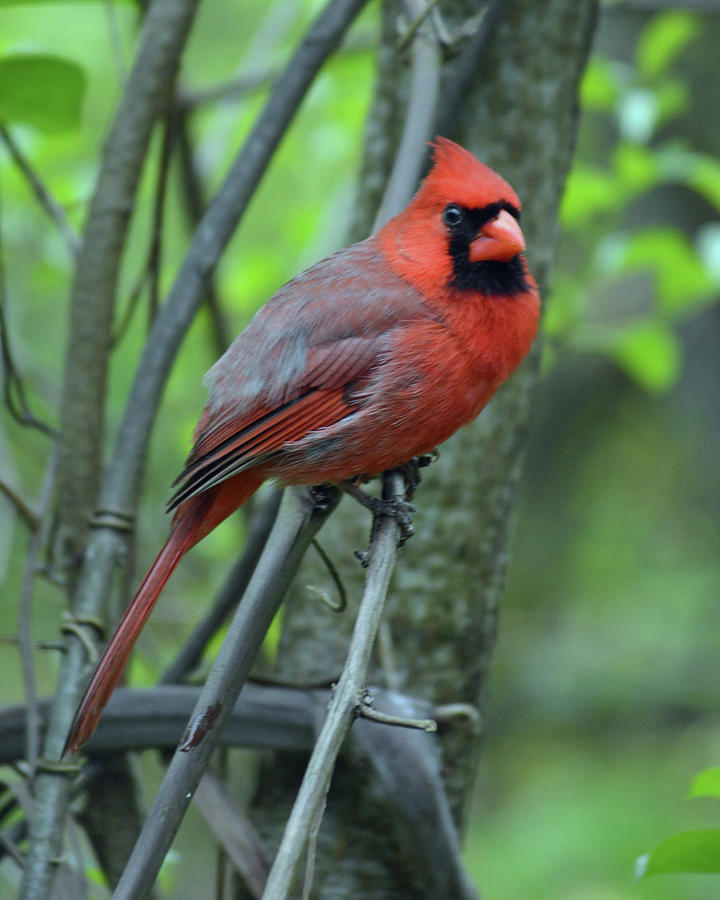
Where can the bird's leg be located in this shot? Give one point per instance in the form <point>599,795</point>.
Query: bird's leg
<point>399,508</point>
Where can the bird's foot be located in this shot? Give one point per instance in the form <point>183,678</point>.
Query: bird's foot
<point>397,508</point>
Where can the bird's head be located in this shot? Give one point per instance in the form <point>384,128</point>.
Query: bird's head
<point>462,227</point>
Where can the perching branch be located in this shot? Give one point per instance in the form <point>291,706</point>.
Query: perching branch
<point>345,701</point>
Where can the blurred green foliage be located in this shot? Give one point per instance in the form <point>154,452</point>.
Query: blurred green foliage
<point>638,98</point>
<point>604,691</point>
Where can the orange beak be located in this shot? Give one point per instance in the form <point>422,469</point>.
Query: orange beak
<point>500,239</point>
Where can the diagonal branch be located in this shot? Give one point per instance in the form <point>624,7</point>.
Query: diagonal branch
<point>41,191</point>
<point>345,701</point>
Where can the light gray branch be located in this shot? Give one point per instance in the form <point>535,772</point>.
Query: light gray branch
<point>419,119</point>
<point>345,700</point>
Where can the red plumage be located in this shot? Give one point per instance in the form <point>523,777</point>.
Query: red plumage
<point>374,355</point>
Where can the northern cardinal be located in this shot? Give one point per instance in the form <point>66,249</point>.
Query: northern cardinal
<point>373,356</point>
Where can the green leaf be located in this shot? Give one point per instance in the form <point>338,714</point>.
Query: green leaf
<point>44,91</point>
<point>704,177</point>
<point>688,851</point>
<point>599,88</point>
<point>649,352</point>
<point>665,36</point>
<point>588,192</point>
<point>637,166</point>
<point>706,783</point>
<point>683,283</point>
<point>672,98</point>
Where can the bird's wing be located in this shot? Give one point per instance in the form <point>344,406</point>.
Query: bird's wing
<point>244,441</point>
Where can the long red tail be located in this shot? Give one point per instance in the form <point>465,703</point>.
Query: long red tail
<point>194,519</point>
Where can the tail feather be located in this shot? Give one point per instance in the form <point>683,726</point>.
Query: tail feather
<point>193,521</point>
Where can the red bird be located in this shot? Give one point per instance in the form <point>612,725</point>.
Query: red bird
<point>373,356</point>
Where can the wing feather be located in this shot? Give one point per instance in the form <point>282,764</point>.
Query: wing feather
<point>253,445</point>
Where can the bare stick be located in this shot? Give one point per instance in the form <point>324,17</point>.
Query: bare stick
<point>25,643</point>
<point>403,179</point>
<point>345,700</point>
<point>21,507</point>
<point>419,119</point>
<point>41,191</point>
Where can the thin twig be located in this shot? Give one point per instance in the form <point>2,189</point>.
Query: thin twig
<point>340,604</point>
<point>150,272</point>
<point>28,515</point>
<point>195,205</point>
<point>25,640</point>
<point>13,387</point>
<point>345,700</point>
<point>419,118</point>
<point>48,203</point>
<point>115,43</point>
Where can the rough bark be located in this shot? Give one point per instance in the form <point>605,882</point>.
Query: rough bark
<point>514,104</point>
<point>92,299</point>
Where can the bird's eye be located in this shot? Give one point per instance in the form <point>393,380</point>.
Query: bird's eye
<point>452,215</point>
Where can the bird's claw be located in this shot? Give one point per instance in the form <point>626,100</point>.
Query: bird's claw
<point>402,511</point>
<point>397,508</point>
